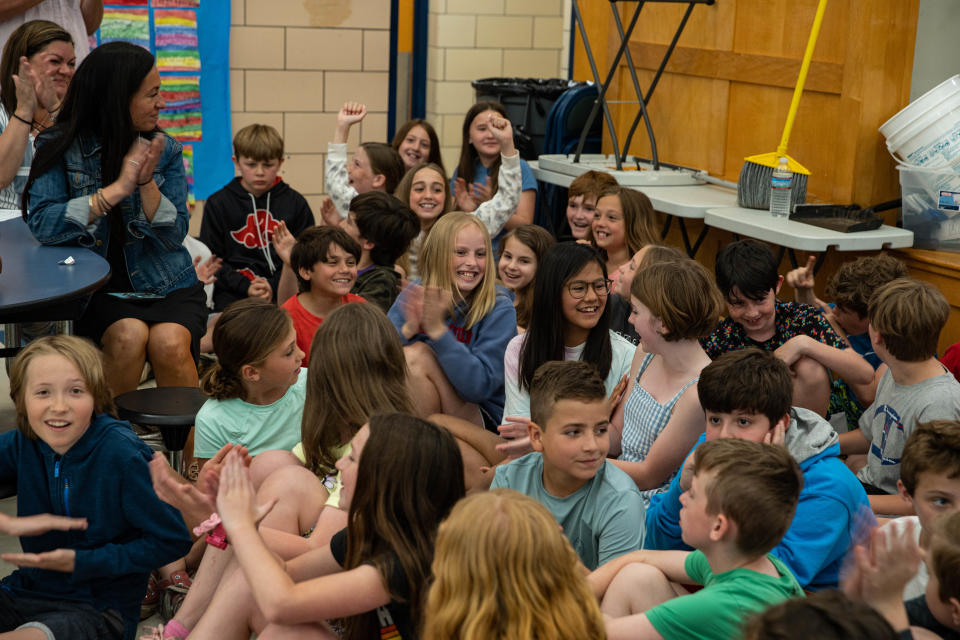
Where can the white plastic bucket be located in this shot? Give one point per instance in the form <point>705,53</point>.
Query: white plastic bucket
<point>931,206</point>
<point>926,133</point>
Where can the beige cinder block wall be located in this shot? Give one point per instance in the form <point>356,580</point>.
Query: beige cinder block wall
<point>471,39</point>
<point>293,63</point>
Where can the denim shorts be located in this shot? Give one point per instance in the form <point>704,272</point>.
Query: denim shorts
<point>59,619</point>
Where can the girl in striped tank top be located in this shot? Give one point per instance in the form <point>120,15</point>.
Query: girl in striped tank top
<point>672,303</point>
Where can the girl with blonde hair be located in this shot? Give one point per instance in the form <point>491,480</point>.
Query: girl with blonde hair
<point>456,324</point>
<point>503,570</point>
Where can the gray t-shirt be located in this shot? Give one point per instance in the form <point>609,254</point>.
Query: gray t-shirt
<point>890,420</point>
<point>603,519</point>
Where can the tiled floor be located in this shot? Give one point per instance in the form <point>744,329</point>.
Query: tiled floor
<point>10,544</point>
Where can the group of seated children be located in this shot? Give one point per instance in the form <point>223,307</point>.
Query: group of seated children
<point>587,388</point>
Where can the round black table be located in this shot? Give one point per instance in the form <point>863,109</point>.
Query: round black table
<point>35,287</point>
<point>170,409</point>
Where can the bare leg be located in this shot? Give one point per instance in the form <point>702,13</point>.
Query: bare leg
<point>169,351</point>
<point>635,589</point>
<point>208,577</point>
<point>811,385</point>
<point>232,611</point>
<point>300,496</point>
<point>431,389</point>
<point>124,352</point>
<point>266,463</point>
<point>297,632</point>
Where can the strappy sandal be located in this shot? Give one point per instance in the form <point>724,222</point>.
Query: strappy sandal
<point>174,594</point>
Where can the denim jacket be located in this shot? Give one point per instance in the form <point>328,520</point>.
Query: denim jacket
<point>156,260</point>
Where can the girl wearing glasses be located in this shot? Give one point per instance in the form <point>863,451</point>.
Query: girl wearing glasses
<point>569,320</point>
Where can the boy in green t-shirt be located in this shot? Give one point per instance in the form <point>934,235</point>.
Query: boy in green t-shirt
<point>740,503</point>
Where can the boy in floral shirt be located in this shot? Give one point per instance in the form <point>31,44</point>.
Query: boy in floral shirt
<point>798,334</point>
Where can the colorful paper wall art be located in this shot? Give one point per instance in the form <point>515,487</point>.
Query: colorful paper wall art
<point>180,33</point>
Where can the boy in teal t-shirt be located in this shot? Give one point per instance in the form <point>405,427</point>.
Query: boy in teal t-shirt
<point>597,505</point>
<point>740,502</point>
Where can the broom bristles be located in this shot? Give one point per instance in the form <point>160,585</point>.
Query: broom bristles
<point>753,186</point>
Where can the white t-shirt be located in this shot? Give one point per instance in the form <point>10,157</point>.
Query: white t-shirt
<point>517,401</point>
<point>65,13</point>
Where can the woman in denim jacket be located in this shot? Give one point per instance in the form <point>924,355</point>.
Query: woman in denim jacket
<point>106,178</point>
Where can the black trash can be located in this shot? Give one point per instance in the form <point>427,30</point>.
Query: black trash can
<point>528,102</point>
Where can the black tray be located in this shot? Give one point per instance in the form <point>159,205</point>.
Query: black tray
<point>848,218</point>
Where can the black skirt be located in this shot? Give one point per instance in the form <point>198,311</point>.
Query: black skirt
<point>186,306</point>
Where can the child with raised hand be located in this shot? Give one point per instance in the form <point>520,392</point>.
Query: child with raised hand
<point>416,142</point>
<point>746,394</point>
<point>383,227</point>
<point>748,277</point>
<point>569,321</point>
<point>91,527</point>
<point>426,189</point>
<point>623,224</point>
<point>476,178</point>
<point>239,220</point>
<point>256,388</point>
<point>582,202</point>
<point>373,574</point>
<point>740,502</point>
<point>850,288</point>
<point>375,166</point>
<point>502,570</point>
<point>324,261</point>
<point>521,251</point>
<point>906,317</point>
<point>598,507</point>
<point>673,304</point>
<point>456,324</point>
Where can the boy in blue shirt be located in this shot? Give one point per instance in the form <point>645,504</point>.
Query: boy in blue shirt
<point>598,506</point>
<point>746,394</point>
<point>741,498</point>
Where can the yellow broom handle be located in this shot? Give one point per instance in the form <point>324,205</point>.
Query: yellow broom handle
<point>804,68</point>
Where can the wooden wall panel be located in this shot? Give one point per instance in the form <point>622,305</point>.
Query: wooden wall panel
<point>728,86</point>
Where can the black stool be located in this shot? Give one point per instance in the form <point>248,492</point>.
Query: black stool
<point>172,410</point>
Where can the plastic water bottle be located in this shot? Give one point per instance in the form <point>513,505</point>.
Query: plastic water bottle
<point>781,188</point>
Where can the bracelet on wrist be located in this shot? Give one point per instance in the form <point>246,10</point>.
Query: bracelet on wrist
<point>218,537</point>
<point>23,120</point>
<point>143,184</point>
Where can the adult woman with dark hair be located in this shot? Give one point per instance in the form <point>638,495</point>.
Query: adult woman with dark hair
<point>569,320</point>
<point>35,71</point>
<point>105,177</point>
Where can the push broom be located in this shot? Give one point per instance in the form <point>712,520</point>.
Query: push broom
<point>753,186</point>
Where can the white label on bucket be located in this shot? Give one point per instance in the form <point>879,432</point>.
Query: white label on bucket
<point>949,201</point>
